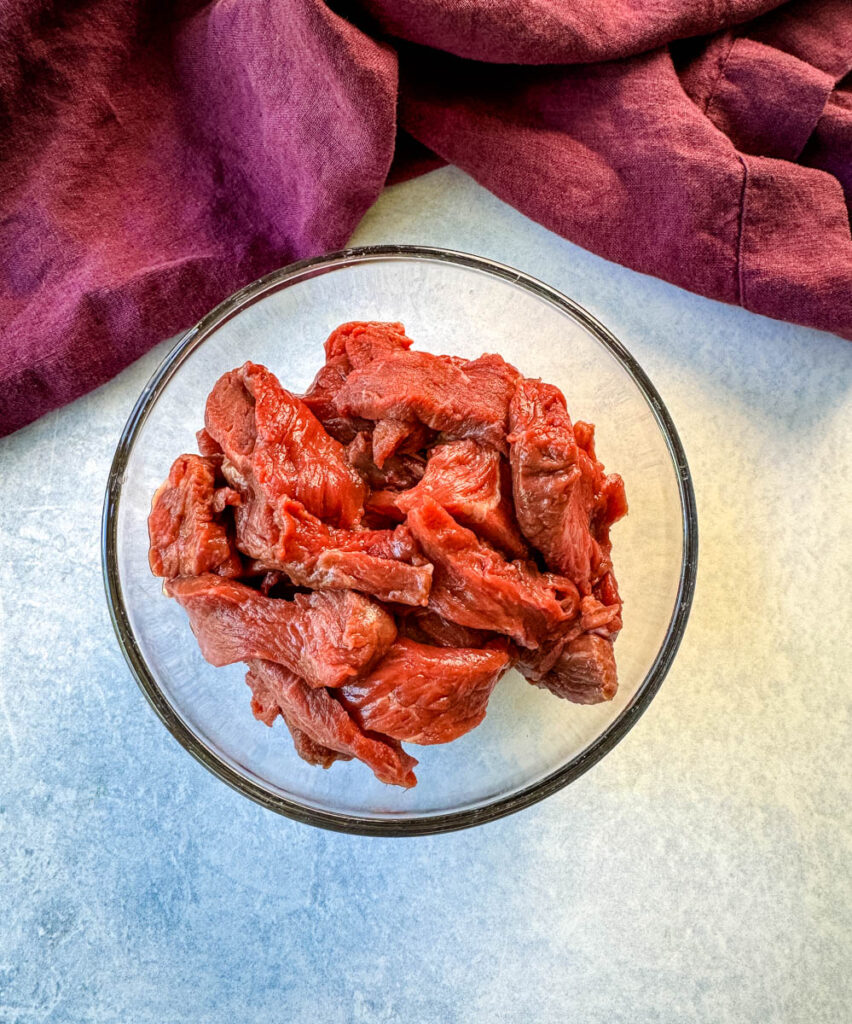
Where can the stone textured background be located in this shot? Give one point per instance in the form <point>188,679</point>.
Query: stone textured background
<point>700,872</point>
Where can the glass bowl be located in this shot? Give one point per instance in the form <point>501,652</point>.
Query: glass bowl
<point>531,743</point>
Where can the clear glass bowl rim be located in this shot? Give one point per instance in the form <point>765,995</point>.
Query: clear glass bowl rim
<point>427,824</point>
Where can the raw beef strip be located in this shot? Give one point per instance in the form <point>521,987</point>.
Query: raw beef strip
<point>398,472</point>
<point>309,750</point>
<point>264,700</point>
<point>353,344</point>
<point>585,671</point>
<point>207,445</point>
<point>268,433</point>
<point>475,586</point>
<point>230,421</point>
<point>294,535</point>
<point>606,593</point>
<point>425,694</point>
<point>610,500</point>
<point>187,534</point>
<point>563,501</point>
<point>326,638</point>
<point>363,341</point>
<point>427,627</point>
<point>320,399</point>
<point>383,578</point>
<point>611,505</point>
<point>325,722</point>
<point>580,667</point>
<point>456,397</point>
<point>314,555</point>
<point>399,436</point>
<point>265,708</point>
<point>466,479</point>
<point>596,617</point>
<point>290,531</point>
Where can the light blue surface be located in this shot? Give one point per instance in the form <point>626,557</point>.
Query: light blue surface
<point>699,873</point>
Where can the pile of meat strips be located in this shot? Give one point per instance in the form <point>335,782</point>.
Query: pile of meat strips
<point>383,549</point>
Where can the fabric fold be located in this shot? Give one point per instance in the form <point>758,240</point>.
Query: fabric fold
<point>156,157</point>
<point>766,101</point>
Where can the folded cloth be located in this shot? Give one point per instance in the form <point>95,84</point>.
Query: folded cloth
<point>155,157</point>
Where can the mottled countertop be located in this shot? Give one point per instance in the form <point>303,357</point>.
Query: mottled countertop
<point>700,872</point>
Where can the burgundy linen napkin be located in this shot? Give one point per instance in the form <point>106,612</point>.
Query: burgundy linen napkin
<point>154,157</point>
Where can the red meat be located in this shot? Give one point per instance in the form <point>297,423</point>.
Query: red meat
<point>427,627</point>
<point>269,434</point>
<point>316,716</point>
<point>425,694</point>
<point>320,399</point>
<point>363,341</point>
<point>353,345</point>
<point>466,479</point>
<point>579,667</point>
<point>456,574</point>
<point>308,749</point>
<point>605,591</point>
<point>475,586</point>
<point>207,445</point>
<point>398,471</point>
<point>456,397</point>
<point>187,533</point>
<point>312,554</point>
<point>564,502</point>
<point>326,638</point>
<point>265,708</point>
<point>584,672</point>
<point>398,436</point>
<point>384,578</point>
<point>596,617</point>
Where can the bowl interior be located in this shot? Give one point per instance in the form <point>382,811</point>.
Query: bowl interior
<point>446,306</point>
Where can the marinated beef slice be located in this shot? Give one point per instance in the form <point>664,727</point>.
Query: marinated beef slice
<point>326,637</point>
